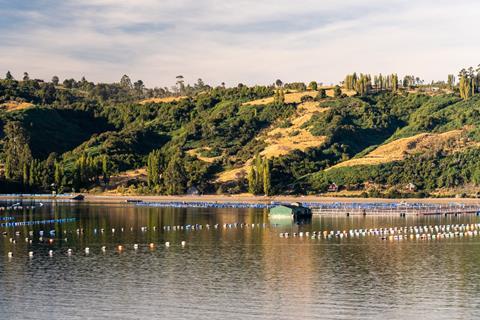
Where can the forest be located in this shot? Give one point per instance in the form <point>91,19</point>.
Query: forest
<point>80,136</point>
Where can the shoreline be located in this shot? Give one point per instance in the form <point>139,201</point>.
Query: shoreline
<point>243,199</point>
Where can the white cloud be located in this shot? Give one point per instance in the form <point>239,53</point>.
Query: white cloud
<point>237,41</point>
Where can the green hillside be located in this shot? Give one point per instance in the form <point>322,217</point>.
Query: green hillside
<point>283,140</point>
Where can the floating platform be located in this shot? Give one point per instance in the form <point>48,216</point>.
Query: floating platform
<point>294,210</point>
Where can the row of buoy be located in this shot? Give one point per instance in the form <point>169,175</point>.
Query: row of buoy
<point>119,248</point>
<point>214,226</point>
<point>18,207</point>
<point>204,204</point>
<point>169,228</point>
<point>36,222</point>
<point>413,231</point>
<point>429,236</point>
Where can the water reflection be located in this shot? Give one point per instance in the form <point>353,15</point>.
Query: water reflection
<point>233,273</point>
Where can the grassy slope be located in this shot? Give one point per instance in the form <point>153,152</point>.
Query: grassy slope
<point>439,131</point>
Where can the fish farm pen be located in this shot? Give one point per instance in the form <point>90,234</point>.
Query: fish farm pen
<point>401,209</point>
<point>337,208</point>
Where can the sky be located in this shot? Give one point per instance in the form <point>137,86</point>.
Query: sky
<point>238,41</point>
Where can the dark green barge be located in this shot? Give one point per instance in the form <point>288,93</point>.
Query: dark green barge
<point>294,210</point>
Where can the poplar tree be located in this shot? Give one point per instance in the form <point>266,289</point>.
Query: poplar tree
<point>252,182</point>
<point>26,174</point>
<point>266,177</point>
<point>258,174</point>
<point>394,82</point>
<point>105,169</point>
<point>58,175</point>
<point>279,96</point>
<point>32,177</point>
<point>153,168</point>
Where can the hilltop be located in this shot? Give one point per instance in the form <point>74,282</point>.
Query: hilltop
<point>379,137</point>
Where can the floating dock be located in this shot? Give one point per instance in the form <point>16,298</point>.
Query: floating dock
<point>338,208</point>
<point>395,209</point>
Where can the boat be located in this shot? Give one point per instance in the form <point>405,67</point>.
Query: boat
<point>78,197</point>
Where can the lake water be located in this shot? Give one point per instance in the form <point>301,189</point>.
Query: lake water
<point>230,273</point>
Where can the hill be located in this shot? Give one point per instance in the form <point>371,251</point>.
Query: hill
<point>80,135</point>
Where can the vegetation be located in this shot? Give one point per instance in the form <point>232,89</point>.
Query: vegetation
<point>78,135</point>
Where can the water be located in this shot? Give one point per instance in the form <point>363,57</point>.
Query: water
<point>237,273</point>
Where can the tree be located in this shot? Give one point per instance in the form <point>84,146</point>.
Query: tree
<point>58,176</point>
<point>279,83</point>
<point>322,94</point>
<point>26,176</point>
<point>252,181</point>
<point>279,96</point>
<point>8,76</point>
<point>25,76</point>
<point>466,84</point>
<point>175,177</point>
<point>105,169</point>
<point>313,86</point>
<point>33,175</point>
<point>258,174</point>
<point>266,177</point>
<point>139,86</point>
<point>55,80</point>
<point>337,91</point>
<point>126,82</point>
<point>153,169</point>
<point>180,84</point>
<point>362,84</point>
<point>394,80</point>
<point>200,85</point>
<point>16,149</point>
<point>47,93</point>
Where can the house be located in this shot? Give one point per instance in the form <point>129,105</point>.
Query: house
<point>411,187</point>
<point>290,210</point>
<point>332,187</point>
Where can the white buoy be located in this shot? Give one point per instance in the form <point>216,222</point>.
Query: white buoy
<point>135,246</point>
<point>184,243</point>
<point>30,254</point>
<point>69,251</point>
<point>50,253</point>
<point>87,250</point>
<point>167,244</point>
<point>104,248</point>
<point>10,254</point>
